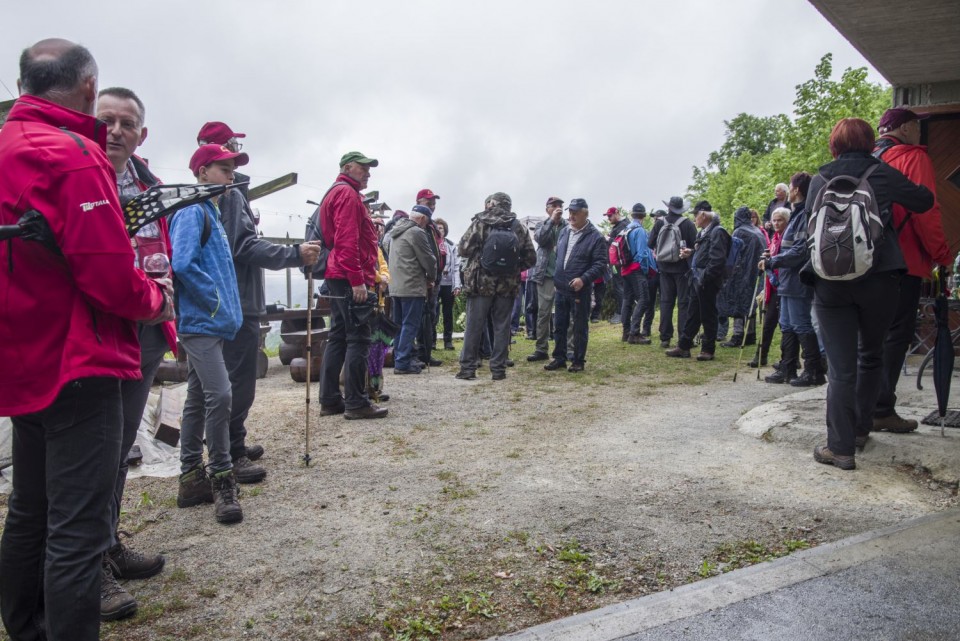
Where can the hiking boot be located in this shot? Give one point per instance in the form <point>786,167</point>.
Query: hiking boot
<point>194,487</point>
<point>370,411</point>
<point>894,423</point>
<point>735,341</point>
<point>861,442</point>
<point>780,377</point>
<point>383,398</point>
<point>448,345</point>
<point>330,410</point>
<point>625,336</point>
<point>246,471</point>
<point>678,352</point>
<point>822,454</point>
<point>409,370</point>
<point>226,506</point>
<point>129,564</point>
<point>638,340</point>
<point>575,367</point>
<point>135,457</point>
<point>435,362</point>
<point>704,356</point>
<point>115,602</point>
<point>254,452</point>
<point>465,375</point>
<point>510,363</point>
<point>499,376</point>
<point>555,364</point>
<point>806,379</point>
<point>664,344</point>
<point>615,319</point>
<point>537,356</point>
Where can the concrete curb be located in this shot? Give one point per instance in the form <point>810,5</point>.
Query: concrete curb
<point>631,617</point>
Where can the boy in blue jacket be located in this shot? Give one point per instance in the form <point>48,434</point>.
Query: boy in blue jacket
<point>208,312</point>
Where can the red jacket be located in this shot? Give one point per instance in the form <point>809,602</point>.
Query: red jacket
<point>348,230</point>
<point>68,316</point>
<point>921,239</point>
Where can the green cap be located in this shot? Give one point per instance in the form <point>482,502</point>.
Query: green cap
<point>357,157</point>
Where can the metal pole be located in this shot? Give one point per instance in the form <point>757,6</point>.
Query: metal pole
<point>306,453</point>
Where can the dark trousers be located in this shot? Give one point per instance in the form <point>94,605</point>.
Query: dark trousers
<point>599,292</point>
<point>653,288</point>
<point>531,307</point>
<point>153,345</point>
<point>445,308</point>
<point>854,318</point>
<point>348,345</point>
<point>517,310</point>
<point>488,318</point>
<point>410,311</point>
<point>701,311</point>
<point>771,318</point>
<point>428,327</point>
<point>240,357</point>
<point>673,293</point>
<point>577,306</point>
<point>897,342</point>
<point>58,519</point>
<point>616,290</point>
<point>636,299</point>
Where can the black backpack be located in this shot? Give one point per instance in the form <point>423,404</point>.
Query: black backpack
<point>501,250</point>
<point>314,232</point>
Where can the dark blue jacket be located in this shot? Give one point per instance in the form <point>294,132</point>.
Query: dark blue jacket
<point>588,261</point>
<point>793,255</point>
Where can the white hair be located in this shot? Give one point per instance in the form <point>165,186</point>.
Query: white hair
<point>781,211</point>
<point>783,187</point>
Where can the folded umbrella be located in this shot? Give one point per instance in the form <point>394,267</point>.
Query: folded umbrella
<point>943,355</point>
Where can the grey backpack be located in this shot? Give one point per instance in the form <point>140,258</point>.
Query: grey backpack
<point>668,242</point>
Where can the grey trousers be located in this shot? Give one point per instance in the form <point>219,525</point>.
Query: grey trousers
<point>478,308</point>
<point>546,292</point>
<point>206,412</point>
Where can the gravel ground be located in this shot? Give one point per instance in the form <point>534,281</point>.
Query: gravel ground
<point>481,507</point>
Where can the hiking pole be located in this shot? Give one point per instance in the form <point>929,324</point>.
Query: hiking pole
<point>750,313</point>
<point>762,302</point>
<point>309,351</point>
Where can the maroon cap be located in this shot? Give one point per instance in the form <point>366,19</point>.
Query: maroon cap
<point>893,118</point>
<point>208,154</point>
<point>426,193</point>
<point>217,133</point>
<point>553,200</point>
<point>611,211</point>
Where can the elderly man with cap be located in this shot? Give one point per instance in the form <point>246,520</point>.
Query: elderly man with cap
<point>923,244</point>
<point>581,259</point>
<point>412,269</point>
<point>546,234</point>
<point>496,248</point>
<point>427,202</point>
<point>635,274</point>
<point>251,255</point>
<point>617,224</point>
<point>350,276</point>
<point>653,284</point>
<point>670,234</point>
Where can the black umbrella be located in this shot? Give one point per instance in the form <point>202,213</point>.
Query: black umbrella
<point>943,348</point>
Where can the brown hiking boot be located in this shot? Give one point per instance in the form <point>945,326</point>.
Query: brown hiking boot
<point>225,503</point>
<point>247,471</point>
<point>370,411</point>
<point>130,564</point>
<point>704,356</point>
<point>822,454</point>
<point>194,487</point>
<point>115,602</point>
<point>638,339</point>
<point>893,423</point>
<point>330,410</point>
<point>678,352</point>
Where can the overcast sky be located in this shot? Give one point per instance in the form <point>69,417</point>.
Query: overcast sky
<point>612,101</point>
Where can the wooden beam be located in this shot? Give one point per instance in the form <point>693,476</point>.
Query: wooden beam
<point>272,186</point>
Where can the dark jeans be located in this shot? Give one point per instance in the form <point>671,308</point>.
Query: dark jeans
<point>240,357</point>
<point>531,307</point>
<point>636,299</point>
<point>576,304</point>
<point>153,345</point>
<point>771,318</point>
<point>653,288</point>
<point>616,290</point>
<point>347,344</point>
<point>428,327</point>
<point>599,291</point>
<point>58,519</point>
<point>673,292</point>
<point>445,305</point>
<point>517,309</point>
<point>701,310</point>
<point>854,318</point>
<point>897,342</point>
<point>409,309</point>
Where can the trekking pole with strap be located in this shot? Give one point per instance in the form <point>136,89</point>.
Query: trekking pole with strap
<point>752,311</point>
<point>309,348</point>
<point>762,301</point>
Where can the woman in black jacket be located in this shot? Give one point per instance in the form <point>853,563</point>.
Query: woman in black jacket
<point>854,315</point>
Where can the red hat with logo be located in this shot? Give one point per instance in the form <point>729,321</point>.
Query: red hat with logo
<point>611,212</point>
<point>426,193</point>
<point>209,154</point>
<point>217,133</point>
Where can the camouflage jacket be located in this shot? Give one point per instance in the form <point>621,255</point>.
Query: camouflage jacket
<point>476,280</point>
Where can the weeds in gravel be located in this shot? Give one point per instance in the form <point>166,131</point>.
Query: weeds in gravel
<point>739,554</point>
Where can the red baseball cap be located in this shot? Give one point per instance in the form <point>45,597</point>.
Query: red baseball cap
<point>554,200</point>
<point>426,193</point>
<point>893,118</point>
<point>612,211</point>
<point>208,154</point>
<point>217,133</point>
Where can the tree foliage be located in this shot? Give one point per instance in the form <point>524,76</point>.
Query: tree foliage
<point>759,152</point>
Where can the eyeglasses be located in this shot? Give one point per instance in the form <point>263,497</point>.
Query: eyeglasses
<point>234,145</point>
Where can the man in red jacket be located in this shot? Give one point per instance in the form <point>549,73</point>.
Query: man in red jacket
<point>351,273</point>
<point>67,340</point>
<point>922,242</point>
